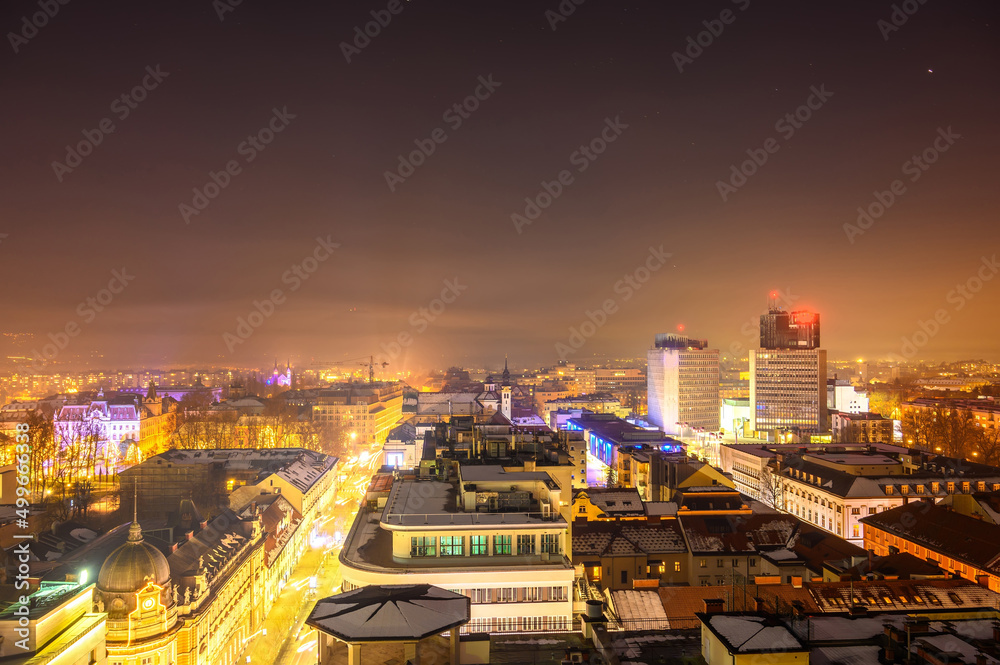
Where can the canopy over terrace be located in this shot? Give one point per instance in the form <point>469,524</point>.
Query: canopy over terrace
<point>404,613</point>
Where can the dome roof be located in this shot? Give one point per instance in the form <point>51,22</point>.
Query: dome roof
<point>131,566</point>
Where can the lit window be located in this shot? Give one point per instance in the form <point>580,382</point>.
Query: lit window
<point>501,544</point>
<point>478,545</point>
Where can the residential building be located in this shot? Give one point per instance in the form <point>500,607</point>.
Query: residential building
<point>860,427</point>
<point>614,555</point>
<point>366,411</point>
<point>960,544</point>
<point>682,384</point>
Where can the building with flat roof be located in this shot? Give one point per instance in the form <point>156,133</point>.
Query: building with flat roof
<point>495,536</point>
<point>788,390</point>
<point>605,433</point>
<point>682,384</point>
<point>58,624</point>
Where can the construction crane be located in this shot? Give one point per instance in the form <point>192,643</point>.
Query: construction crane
<point>370,364</point>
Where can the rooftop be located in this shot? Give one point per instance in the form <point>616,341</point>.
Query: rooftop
<point>958,536</point>
<point>383,613</point>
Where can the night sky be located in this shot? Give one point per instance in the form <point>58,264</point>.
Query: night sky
<point>887,95</point>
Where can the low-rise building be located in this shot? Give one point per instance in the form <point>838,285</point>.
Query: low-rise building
<point>860,427</point>
<point>960,544</point>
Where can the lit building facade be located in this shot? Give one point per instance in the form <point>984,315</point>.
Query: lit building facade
<point>367,412</point>
<point>497,537</point>
<point>788,389</point>
<point>683,384</point>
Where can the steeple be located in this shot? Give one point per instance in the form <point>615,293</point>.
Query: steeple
<point>135,531</point>
<point>506,372</point>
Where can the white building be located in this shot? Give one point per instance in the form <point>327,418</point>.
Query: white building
<point>497,537</point>
<point>843,397</point>
<point>401,447</point>
<point>682,385</point>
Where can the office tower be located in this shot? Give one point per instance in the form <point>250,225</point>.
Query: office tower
<point>788,374</point>
<point>683,384</point>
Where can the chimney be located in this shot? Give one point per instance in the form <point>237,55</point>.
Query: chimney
<point>980,658</point>
<point>189,535</point>
<point>797,582</point>
<point>203,524</point>
<point>714,605</point>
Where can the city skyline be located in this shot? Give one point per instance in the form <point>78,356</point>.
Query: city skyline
<point>277,150</point>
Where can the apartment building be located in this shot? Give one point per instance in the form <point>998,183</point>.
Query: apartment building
<point>367,412</point>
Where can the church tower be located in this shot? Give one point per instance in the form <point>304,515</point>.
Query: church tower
<point>506,392</point>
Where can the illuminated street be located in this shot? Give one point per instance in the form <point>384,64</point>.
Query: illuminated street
<point>288,640</point>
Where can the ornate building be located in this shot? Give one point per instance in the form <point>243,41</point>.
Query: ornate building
<point>134,588</point>
<point>195,606</point>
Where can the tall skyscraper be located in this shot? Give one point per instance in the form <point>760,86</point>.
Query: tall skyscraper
<point>682,384</point>
<point>788,374</point>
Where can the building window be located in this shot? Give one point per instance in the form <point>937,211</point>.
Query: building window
<point>501,544</point>
<point>422,546</point>
<point>479,545</point>
<point>856,530</point>
<point>855,511</point>
<point>624,577</point>
<point>452,545</point>
<point>718,563</point>
<point>526,544</point>
<point>550,543</point>
<point>677,566</point>
<point>752,562</point>
<point>872,510</point>
<point>703,563</point>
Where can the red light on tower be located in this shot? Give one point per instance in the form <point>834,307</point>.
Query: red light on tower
<point>680,327</point>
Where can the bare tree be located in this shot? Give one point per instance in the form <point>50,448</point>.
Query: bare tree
<point>988,446</point>
<point>772,488</point>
